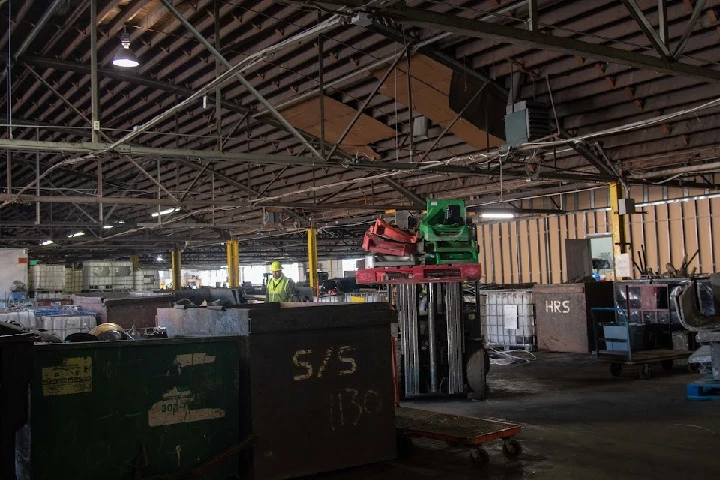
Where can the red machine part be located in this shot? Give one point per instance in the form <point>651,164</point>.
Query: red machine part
<point>374,243</point>
<point>420,274</point>
<point>383,229</point>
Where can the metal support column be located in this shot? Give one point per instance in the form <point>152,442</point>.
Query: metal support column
<point>94,72</point>
<point>618,222</point>
<point>313,260</point>
<point>453,316</point>
<point>233,263</point>
<point>432,337</point>
<point>176,265</point>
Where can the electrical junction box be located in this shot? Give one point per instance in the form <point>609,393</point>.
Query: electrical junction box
<point>626,206</point>
<point>525,122</point>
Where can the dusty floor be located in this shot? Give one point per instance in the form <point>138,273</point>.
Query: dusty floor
<point>578,422</point>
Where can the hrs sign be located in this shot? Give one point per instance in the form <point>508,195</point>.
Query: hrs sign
<point>556,306</point>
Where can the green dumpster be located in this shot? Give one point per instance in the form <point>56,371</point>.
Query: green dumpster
<point>124,410</point>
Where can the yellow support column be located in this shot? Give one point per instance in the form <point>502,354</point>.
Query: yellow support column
<point>619,236</point>
<point>233,263</point>
<point>176,265</point>
<point>135,261</point>
<point>313,260</point>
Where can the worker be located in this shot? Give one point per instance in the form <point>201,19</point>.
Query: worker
<point>280,288</point>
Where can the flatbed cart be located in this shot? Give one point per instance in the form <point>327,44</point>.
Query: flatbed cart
<point>455,430</point>
<point>626,356</point>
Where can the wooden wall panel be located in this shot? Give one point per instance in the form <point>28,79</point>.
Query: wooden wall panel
<point>571,227</point>
<point>690,232</point>
<point>589,223</point>
<point>525,258</point>
<point>663,238</point>
<point>556,261</point>
<point>520,250</point>
<point>715,227</point>
<point>534,262</point>
<point>705,260</point>
<point>497,253</point>
<point>507,263</point>
<point>651,234</point>
<point>676,234</point>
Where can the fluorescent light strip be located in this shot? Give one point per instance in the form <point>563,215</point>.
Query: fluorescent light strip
<point>165,212</point>
<point>678,200</point>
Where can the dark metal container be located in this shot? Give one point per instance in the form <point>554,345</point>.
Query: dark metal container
<point>135,409</point>
<point>16,364</point>
<point>562,314</point>
<point>321,390</point>
<point>123,308</point>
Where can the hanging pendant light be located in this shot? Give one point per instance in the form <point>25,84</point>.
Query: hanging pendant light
<point>124,57</point>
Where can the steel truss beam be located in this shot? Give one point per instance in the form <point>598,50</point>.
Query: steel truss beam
<point>4,197</point>
<point>699,7</point>
<point>237,157</point>
<point>517,36</point>
<point>239,77</point>
<point>647,28</point>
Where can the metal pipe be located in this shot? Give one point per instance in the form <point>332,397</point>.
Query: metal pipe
<point>321,75</point>
<point>401,304</point>
<point>37,176</point>
<point>432,338</point>
<point>706,167</point>
<point>95,125</point>
<point>410,108</point>
<point>273,111</point>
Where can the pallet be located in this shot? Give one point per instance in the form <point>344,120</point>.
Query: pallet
<point>419,274</point>
<point>704,389</point>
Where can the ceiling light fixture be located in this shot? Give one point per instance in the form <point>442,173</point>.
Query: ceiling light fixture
<point>76,234</point>
<point>497,215</point>
<point>107,227</point>
<point>47,242</point>
<point>165,212</point>
<point>124,57</point>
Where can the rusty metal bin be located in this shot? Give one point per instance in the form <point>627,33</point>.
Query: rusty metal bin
<point>321,390</point>
<point>562,314</point>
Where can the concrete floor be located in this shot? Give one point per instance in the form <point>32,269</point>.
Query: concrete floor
<point>578,422</point>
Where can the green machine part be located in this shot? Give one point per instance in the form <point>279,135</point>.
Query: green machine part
<point>135,409</point>
<point>446,235</point>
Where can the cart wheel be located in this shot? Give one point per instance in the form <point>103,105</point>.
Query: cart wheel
<point>404,446</point>
<point>645,371</point>
<point>511,448</point>
<point>667,365</point>
<point>616,369</point>
<point>479,457</point>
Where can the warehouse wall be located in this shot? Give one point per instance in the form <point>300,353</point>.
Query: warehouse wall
<point>675,223</point>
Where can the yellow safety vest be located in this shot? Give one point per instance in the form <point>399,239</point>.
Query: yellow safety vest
<point>280,289</point>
